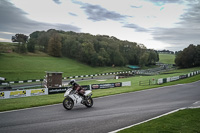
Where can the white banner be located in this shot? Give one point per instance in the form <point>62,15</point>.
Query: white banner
<point>160,81</point>
<point>128,83</point>
<point>174,78</point>
<point>23,93</point>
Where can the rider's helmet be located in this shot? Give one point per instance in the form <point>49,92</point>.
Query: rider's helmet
<point>72,82</point>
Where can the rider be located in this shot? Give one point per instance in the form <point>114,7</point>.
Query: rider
<point>77,87</point>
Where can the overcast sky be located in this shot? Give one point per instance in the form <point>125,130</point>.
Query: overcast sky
<point>158,24</point>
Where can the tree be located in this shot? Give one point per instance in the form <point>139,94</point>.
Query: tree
<point>87,53</point>
<point>103,57</point>
<point>189,57</point>
<point>43,41</point>
<point>54,45</point>
<point>21,39</point>
<point>99,50</point>
<point>31,45</point>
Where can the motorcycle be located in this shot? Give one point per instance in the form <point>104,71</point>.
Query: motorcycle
<point>72,98</point>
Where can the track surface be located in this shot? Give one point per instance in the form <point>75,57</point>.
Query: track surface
<point>107,114</point>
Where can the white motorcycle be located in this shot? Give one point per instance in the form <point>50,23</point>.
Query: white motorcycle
<point>72,98</point>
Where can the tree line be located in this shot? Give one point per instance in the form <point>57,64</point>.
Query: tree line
<point>94,50</point>
<point>189,57</point>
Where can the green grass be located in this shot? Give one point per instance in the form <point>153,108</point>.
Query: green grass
<point>34,101</point>
<point>15,67</point>
<point>167,58</point>
<point>184,121</point>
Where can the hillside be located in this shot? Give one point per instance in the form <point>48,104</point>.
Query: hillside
<point>167,58</point>
<point>17,67</point>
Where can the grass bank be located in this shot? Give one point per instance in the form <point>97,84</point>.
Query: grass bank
<point>16,67</point>
<point>167,58</point>
<point>184,121</point>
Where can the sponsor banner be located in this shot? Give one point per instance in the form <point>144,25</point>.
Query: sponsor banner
<point>106,85</point>
<point>168,79</point>
<point>57,90</point>
<point>192,74</point>
<point>16,94</point>
<point>165,80</point>
<point>128,83</point>
<point>63,89</point>
<point>23,93</point>
<point>37,92</point>
<point>183,76</point>
<point>174,78</point>
<point>2,95</point>
<point>160,81</point>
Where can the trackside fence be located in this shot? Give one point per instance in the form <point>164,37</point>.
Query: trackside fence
<point>174,78</point>
<point>47,91</point>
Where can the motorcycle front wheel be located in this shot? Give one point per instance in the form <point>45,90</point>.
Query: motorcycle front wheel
<point>68,103</point>
<point>89,102</point>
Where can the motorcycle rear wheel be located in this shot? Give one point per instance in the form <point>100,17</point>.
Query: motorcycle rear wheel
<point>89,102</point>
<point>68,103</point>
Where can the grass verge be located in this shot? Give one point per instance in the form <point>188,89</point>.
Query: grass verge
<point>183,121</point>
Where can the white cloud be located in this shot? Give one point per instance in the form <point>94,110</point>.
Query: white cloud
<point>151,22</point>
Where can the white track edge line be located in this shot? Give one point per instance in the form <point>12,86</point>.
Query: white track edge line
<point>173,111</point>
<point>115,131</point>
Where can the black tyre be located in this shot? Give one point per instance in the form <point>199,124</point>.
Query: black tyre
<point>68,103</point>
<point>89,102</point>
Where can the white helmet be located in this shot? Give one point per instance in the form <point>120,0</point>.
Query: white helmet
<point>72,81</point>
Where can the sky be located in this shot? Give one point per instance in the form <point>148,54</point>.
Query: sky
<point>158,24</point>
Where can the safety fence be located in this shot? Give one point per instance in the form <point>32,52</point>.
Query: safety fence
<point>71,77</point>
<point>174,78</point>
<point>147,82</point>
<point>153,71</point>
<point>46,91</point>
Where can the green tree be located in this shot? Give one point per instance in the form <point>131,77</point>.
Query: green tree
<point>189,57</point>
<point>144,59</point>
<point>87,53</point>
<point>31,45</point>
<point>21,39</point>
<point>103,57</point>
<point>43,41</point>
<point>54,45</point>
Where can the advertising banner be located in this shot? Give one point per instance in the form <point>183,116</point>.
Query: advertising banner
<point>57,90</point>
<point>174,78</point>
<point>36,92</point>
<point>15,94</point>
<point>63,89</point>
<point>128,83</point>
<point>106,85</point>
<point>2,95</point>
<point>160,81</point>
<point>183,76</point>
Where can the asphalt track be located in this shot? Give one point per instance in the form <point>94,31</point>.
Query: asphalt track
<point>108,114</point>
